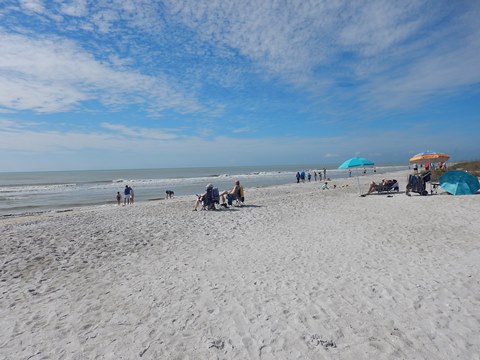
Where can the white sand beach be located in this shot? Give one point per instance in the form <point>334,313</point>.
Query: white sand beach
<point>296,273</point>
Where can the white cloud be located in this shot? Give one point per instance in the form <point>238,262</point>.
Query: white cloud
<point>241,130</point>
<point>6,123</point>
<point>75,8</point>
<point>374,27</point>
<point>447,70</point>
<point>313,44</point>
<point>389,55</point>
<point>319,45</point>
<point>136,132</point>
<point>33,5</point>
<point>39,95</point>
<point>290,39</point>
<point>128,145</point>
<point>53,74</point>
<point>280,37</point>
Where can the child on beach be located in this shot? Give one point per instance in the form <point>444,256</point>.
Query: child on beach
<point>119,198</point>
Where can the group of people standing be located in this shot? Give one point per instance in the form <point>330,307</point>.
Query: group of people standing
<point>301,176</point>
<point>128,196</point>
<point>429,166</point>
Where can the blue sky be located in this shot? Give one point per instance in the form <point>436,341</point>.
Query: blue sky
<point>107,84</point>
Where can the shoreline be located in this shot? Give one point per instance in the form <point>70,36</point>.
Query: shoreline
<point>296,273</point>
<point>29,210</point>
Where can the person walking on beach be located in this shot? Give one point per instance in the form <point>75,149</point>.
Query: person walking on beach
<point>126,193</point>
<point>302,176</point>
<point>309,176</point>
<point>324,173</point>
<point>119,198</point>
<point>315,175</point>
<point>298,177</point>
<point>131,194</point>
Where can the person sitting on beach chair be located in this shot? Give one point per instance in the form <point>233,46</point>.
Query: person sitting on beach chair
<point>208,199</point>
<point>392,185</point>
<point>373,187</point>
<point>385,185</point>
<point>236,194</point>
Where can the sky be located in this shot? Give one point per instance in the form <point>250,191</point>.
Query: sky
<point>126,84</point>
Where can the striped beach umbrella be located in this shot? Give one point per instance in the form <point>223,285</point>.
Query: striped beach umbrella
<point>429,157</point>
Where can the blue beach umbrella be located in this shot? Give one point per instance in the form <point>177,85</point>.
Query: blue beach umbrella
<point>458,182</point>
<point>356,162</point>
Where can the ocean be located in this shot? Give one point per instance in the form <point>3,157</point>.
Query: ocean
<point>34,192</point>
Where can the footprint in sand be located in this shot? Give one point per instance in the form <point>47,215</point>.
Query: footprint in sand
<point>315,340</point>
<point>216,343</point>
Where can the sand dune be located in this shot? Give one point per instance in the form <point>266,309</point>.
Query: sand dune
<point>297,273</point>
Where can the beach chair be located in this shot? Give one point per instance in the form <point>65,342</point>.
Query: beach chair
<point>236,199</point>
<point>241,196</point>
<point>390,185</point>
<point>211,199</point>
<point>434,185</point>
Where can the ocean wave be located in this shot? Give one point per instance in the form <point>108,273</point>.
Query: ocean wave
<point>172,182</point>
<point>35,188</point>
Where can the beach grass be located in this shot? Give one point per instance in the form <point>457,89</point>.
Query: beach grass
<point>473,167</point>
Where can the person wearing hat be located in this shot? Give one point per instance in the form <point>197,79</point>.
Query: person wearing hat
<point>200,198</point>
